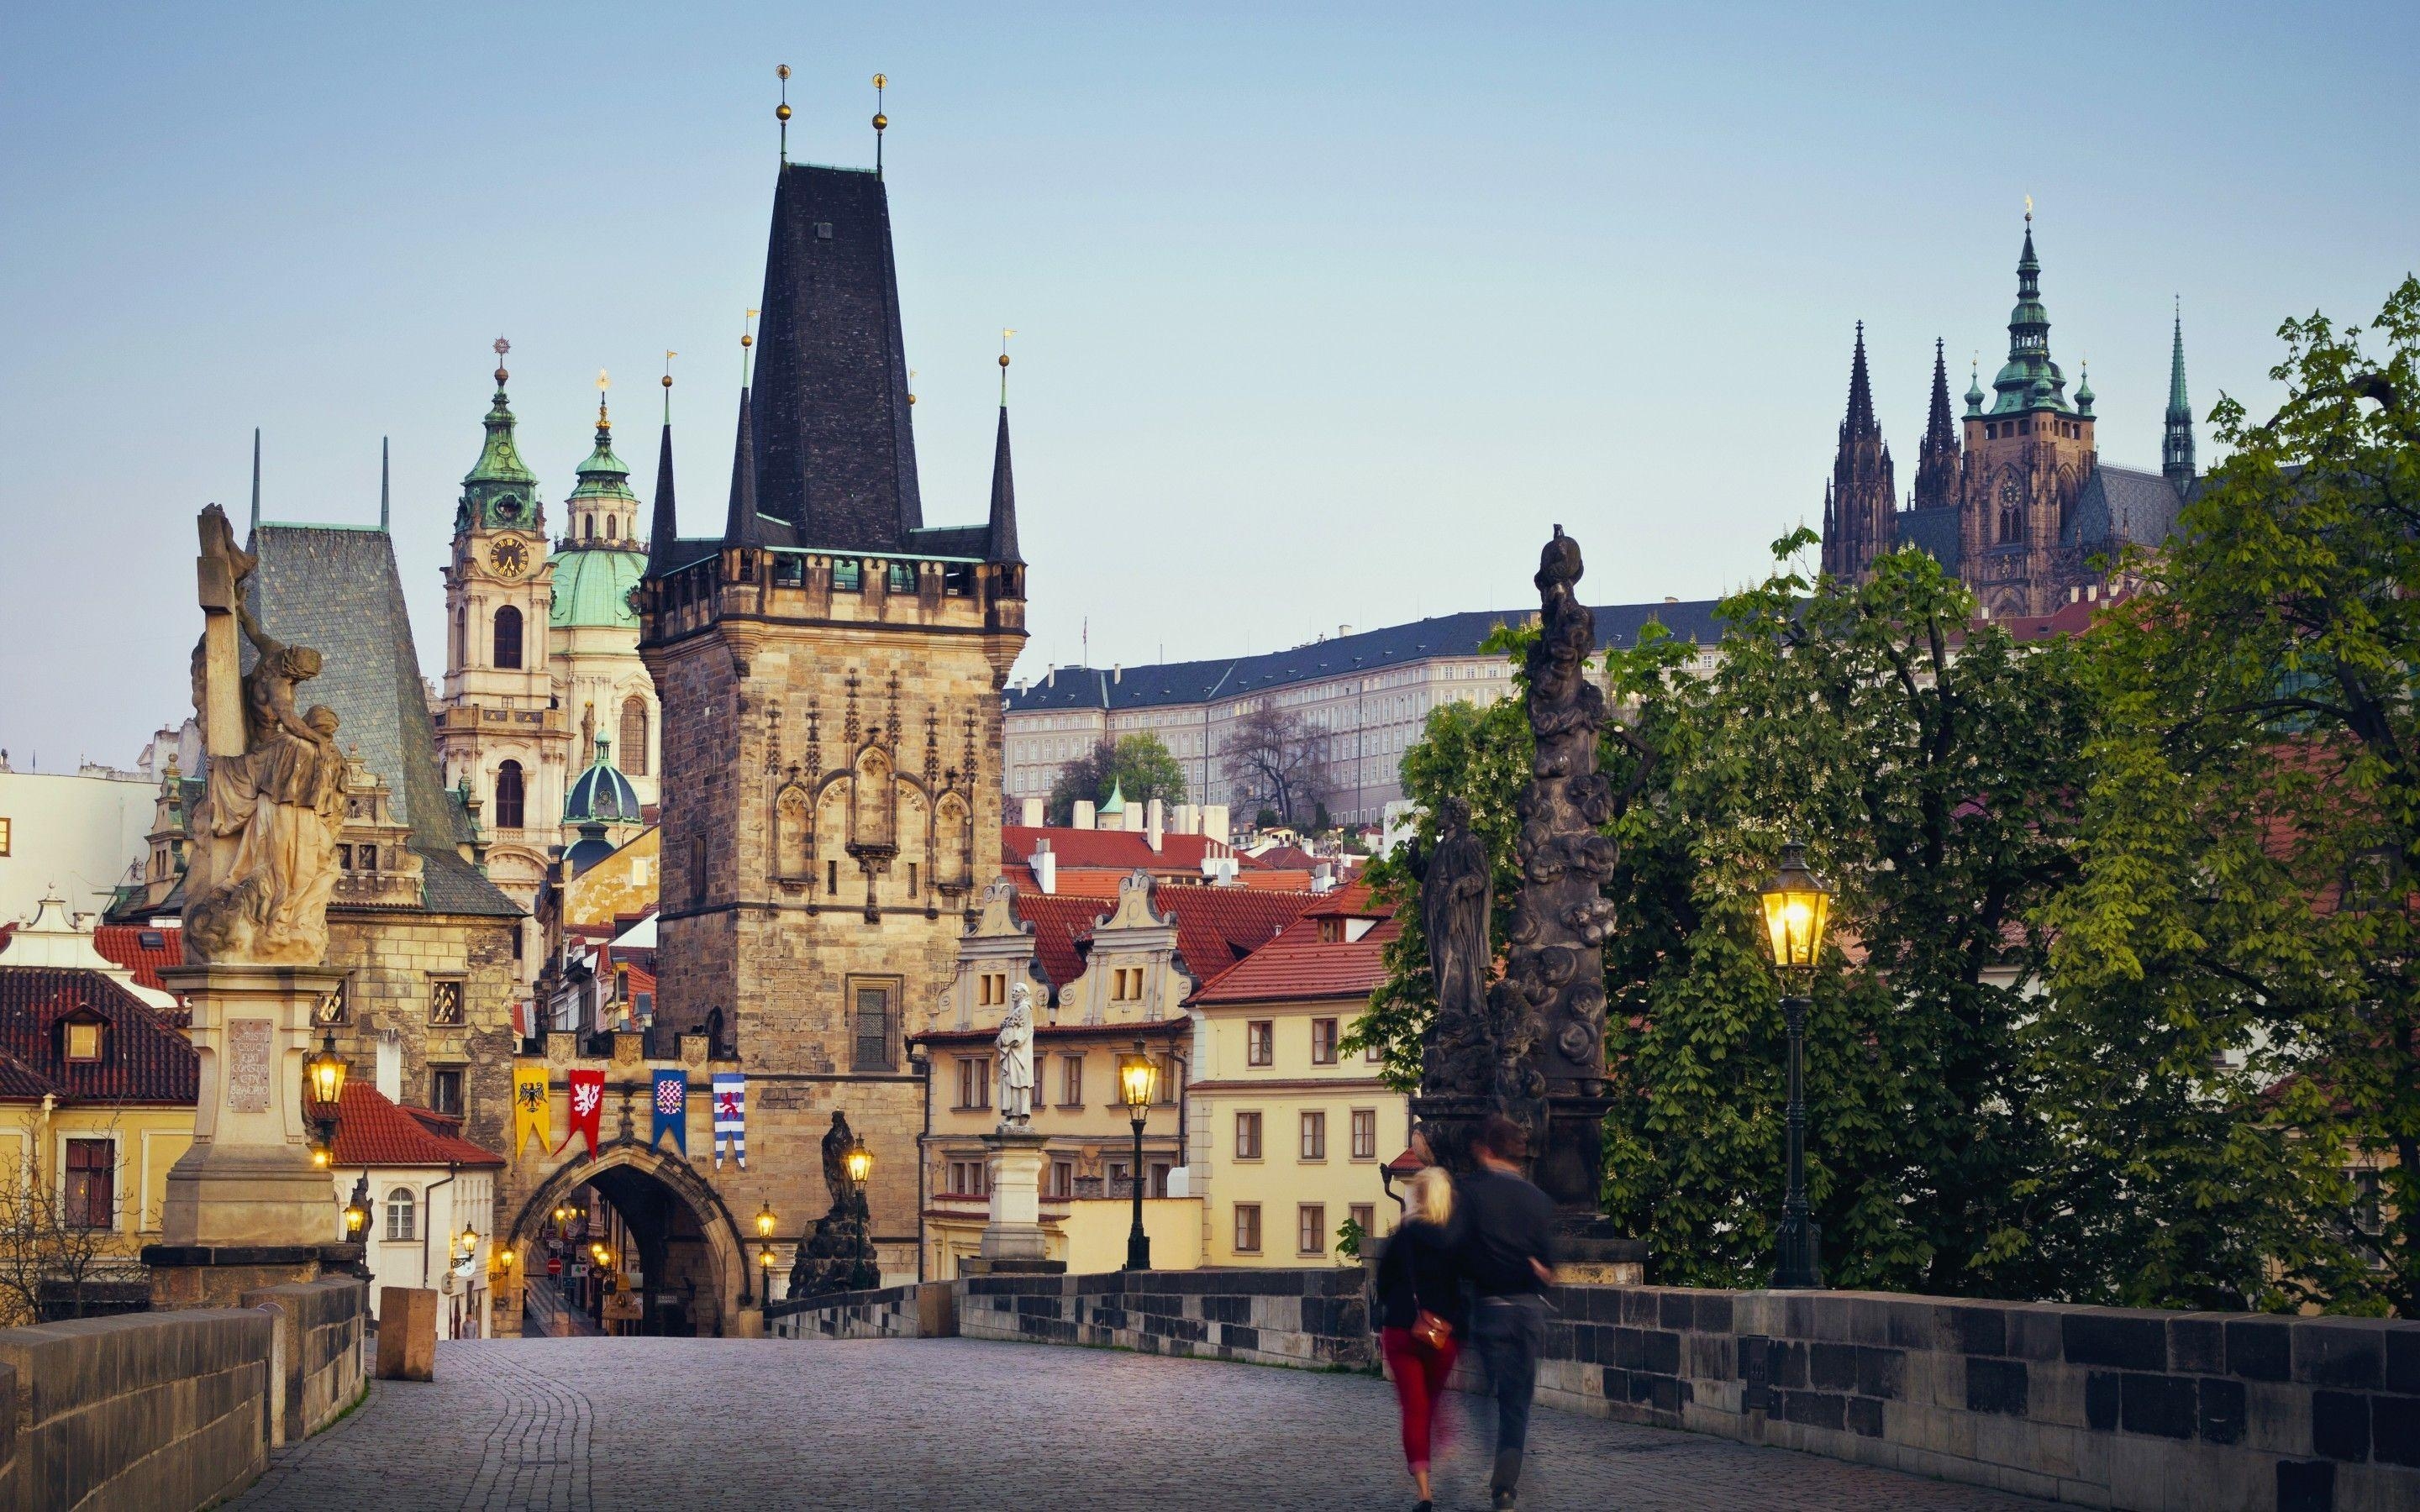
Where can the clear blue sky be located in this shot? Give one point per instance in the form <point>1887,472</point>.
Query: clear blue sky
<point>1326,315</point>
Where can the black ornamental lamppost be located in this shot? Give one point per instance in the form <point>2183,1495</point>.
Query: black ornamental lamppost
<point>1798,906</point>
<point>1138,1084</point>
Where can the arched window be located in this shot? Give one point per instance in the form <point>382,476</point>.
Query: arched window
<point>609,523</point>
<point>402,1215</point>
<point>633,745</point>
<point>508,795</point>
<point>509,637</point>
<point>589,526</point>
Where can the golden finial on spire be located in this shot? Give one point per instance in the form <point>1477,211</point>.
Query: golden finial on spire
<point>782,111</point>
<point>880,121</point>
<point>501,347</point>
<point>911,385</point>
<point>603,382</point>
<point>747,339</point>
<point>1005,333</point>
<point>669,355</point>
<point>2029,209</point>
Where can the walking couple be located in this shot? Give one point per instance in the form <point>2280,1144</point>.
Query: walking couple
<point>1471,1260</point>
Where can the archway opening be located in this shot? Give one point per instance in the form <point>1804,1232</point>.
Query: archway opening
<point>632,1243</point>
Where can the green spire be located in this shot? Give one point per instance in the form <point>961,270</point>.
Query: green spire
<point>2176,438</point>
<point>2030,381</point>
<point>499,492</point>
<point>1117,803</point>
<point>1974,389</point>
<point>2084,390</point>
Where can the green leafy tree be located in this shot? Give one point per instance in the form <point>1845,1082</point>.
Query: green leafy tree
<point>2255,817</point>
<point>1137,765</point>
<point>1969,1130</point>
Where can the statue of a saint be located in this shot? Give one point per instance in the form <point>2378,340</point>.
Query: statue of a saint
<point>1456,897</point>
<point>1015,1072</point>
<point>258,888</point>
<point>838,1140</point>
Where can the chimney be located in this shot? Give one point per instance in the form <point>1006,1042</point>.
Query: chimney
<point>1045,862</point>
<point>1084,817</point>
<point>1117,672</point>
<point>1154,824</point>
<point>1343,630</point>
<point>1032,816</point>
<point>1214,821</point>
<point>389,1079</point>
<point>1131,821</point>
<point>1669,599</point>
<point>1187,820</point>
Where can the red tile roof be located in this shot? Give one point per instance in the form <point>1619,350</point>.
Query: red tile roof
<point>1059,924</point>
<point>1217,927</point>
<point>143,1058</point>
<point>1298,965</point>
<point>1123,849</point>
<point>372,1129</point>
<point>141,949</point>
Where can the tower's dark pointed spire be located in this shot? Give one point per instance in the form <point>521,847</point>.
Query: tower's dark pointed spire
<point>1936,462</point>
<point>2030,381</point>
<point>1002,546</point>
<point>2176,441</point>
<point>383,491</point>
<point>665,533</point>
<point>739,525</point>
<point>1860,422</point>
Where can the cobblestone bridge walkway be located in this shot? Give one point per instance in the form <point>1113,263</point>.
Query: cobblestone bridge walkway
<point>692,1424</point>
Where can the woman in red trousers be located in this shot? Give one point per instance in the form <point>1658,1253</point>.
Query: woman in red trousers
<point>1420,1314</point>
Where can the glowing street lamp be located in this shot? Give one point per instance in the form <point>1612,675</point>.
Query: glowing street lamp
<point>326,1072</point>
<point>1797,909</point>
<point>1137,1086</point>
<point>765,1220</point>
<point>859,1163</point>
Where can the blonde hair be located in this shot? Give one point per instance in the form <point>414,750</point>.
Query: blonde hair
<point>1429,1197</point>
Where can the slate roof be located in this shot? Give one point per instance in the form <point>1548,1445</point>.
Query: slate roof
<point>143,1058</point>
<point>835,449</point>
<point>2119,505</point>
<point>337,589</point>
<point>1445,635</point>
<point>1936,530</point>
<point>372,1130</point>
<point>1298,965</point>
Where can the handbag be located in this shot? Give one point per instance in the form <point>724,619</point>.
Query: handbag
<point>1431,1330</point>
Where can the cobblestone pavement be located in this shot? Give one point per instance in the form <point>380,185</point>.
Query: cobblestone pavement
<point>693,1424</point>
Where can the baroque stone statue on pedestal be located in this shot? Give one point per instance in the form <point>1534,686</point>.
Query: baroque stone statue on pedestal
<point>1016,1050</point>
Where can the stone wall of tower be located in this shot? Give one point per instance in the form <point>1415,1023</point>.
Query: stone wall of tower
<point>801,722</point>
<point>2036,466</point>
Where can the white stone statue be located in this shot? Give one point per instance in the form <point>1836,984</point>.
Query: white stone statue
<point>257,887</point>
<point>1015,1072</point>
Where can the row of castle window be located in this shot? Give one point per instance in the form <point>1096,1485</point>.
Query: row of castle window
<point>975,1083</point>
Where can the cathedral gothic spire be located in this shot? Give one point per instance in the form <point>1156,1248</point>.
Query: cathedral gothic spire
<point>1936,465</point>
<point>1861,504</point>
<point>2176,441</point>
<point>1003,531</point>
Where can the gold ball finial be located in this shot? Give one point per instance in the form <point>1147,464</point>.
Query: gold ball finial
<point>781,113</point>
<point>880,80</point>
<point>668,380</point>
<point>1003,359</point>
<point>880,120</point>
<point>781,70</point>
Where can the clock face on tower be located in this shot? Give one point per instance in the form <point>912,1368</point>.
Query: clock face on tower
<point>508,557</point>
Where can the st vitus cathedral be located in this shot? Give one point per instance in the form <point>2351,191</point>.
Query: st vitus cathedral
<point>2016,499</point>
<point>829,668</point>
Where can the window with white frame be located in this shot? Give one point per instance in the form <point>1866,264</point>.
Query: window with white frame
<point>402,1215</point>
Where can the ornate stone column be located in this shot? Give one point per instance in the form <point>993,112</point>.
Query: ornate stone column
<point>1013,1239</point>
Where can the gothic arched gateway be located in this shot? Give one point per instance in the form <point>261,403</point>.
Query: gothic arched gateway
<point>690,1250</point>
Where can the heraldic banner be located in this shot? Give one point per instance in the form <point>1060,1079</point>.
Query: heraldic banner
<point>672,1108</point>
<point>731,1116</point>
<point>587,1108</point>
<point>531,1115</point>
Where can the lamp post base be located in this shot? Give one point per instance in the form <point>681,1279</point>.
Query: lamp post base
<point>1798,1264</point>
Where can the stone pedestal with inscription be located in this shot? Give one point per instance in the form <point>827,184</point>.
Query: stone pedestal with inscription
<point>245,1206</point>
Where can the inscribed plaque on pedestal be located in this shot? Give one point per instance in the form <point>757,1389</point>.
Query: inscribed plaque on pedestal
<point>249,1056</point>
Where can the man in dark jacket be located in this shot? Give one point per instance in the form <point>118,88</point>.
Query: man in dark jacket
<point>1508,1252</point>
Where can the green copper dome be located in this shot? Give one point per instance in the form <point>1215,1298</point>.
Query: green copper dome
<point>500,492</point>
<point>592,588</point>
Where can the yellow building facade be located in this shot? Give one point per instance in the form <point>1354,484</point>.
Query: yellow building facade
<point>1288,1133</point>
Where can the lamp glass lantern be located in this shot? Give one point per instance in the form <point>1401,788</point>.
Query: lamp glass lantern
<point>469,1240</point>
<point>765,1220</point>
<point>858,1161</point>
<point>357,1219</point>
<point>326,1070</point>
<point>1797,909</point>
<point>1138,1081</point>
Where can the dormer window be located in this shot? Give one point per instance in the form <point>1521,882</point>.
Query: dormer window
<point>81,1040</point>
<point>1331,931</point>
